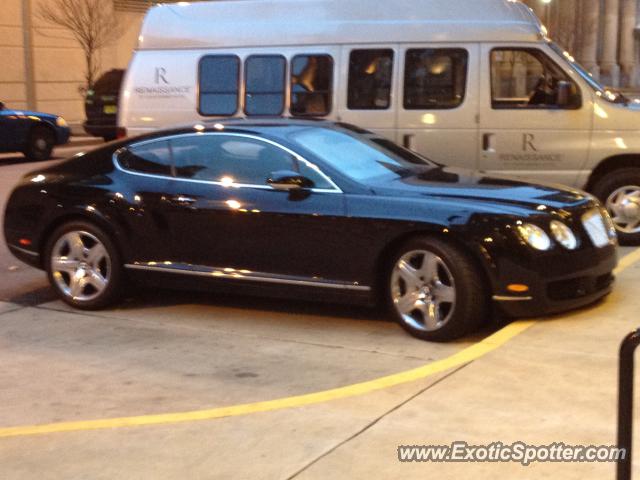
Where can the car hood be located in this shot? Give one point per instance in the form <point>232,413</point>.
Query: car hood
<point>28,113</point>
<point>468,186</point>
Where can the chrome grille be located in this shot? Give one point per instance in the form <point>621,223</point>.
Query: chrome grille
<point>596,229</point>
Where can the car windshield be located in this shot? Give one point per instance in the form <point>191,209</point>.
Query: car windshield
<point>601,91</point>
<point>359,157</point>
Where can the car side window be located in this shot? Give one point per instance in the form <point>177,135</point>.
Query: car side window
<point>264,84</point>
<point>435,78</point>
<point>228,159</point>
<point>529,79</point>
<point>311,85</point>
<point>219,84</point>
<point>153,158</point>
<point>370,78</point>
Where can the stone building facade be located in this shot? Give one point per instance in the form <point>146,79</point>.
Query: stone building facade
<point>601,34</point>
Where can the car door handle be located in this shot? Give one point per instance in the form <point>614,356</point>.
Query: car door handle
<point>487,142</point>
<point>183,201</point>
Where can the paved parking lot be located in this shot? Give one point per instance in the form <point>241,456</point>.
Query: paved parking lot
<point>178,385</point>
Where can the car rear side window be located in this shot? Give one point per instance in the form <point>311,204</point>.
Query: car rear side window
<point>219,83</point>
<point>152,158</point>
<point>228,159</point>
<point>370,77</point>
<point>311,85</point>
<point>435,78</point>
<point>264,84</point>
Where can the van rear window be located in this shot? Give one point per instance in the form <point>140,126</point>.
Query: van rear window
<point>311,85</point>
<point>219,79</point>
<point>370,74</point>
<point>435,78</point>
<point>265,84</point>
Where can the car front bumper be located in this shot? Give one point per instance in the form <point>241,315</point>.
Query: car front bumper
<point>563,282</point>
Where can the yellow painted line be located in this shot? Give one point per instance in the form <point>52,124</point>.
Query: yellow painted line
<point>463,357</point>
<point>469,354</point>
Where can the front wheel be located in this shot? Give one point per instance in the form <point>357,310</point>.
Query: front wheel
<point>620,193</point>
<point>84,266</point>
<point>436,293</point>
<point>40,144</point>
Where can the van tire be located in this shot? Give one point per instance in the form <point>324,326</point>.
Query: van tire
<point>622,185</point>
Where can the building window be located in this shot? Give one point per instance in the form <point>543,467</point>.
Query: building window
<point>370,74</point>
<point>435,78</point>
<point>265,84</point>
<point>219,78</point>
<point>527,78</point>
<point>311,85</point>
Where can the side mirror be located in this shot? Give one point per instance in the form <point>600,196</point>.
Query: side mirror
<point>289,180</point>
<point>564,94</point>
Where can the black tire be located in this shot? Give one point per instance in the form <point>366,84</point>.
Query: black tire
<point>109,138</point>
<point>609,184</point>
<point>470,306</point>
<point>116,278</point>
<point>40,144</point>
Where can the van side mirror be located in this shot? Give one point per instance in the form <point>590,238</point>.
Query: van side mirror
<point>289,180</point>
<point>564,94</point>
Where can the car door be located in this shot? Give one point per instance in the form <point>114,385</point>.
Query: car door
<point>10,131</point>
<point>224,215</point>
<point>527,130</point>
<point>438,114</point>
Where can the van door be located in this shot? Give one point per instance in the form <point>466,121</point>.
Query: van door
<point>438,111</point>
<point>368,82</point>
<point>534,117</point>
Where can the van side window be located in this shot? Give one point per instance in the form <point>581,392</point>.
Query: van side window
<point>219,79</point>
<point>152,158</point>
<point>528,79</point>
<point>311,85</point>
<point>370,74</point>
<point>265,84</point>
<point>435,78</point>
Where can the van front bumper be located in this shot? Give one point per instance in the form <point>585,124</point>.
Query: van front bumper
<point>564,283</point>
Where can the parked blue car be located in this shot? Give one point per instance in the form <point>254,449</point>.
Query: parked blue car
<point>34,134</point>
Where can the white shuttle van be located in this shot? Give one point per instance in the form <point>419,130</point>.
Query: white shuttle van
<point>468,83</point>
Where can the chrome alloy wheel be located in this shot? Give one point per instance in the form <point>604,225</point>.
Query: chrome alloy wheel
<point>624,207</point>
<point>423,290</point>
<point>80,266</point>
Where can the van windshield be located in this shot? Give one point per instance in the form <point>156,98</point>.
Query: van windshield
<point>360,157</point>
<point>601,91</point>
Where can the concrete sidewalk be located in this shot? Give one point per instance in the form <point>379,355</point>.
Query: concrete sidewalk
<point>556,382</point>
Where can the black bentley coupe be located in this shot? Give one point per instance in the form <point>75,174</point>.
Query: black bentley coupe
<point>310,209</point>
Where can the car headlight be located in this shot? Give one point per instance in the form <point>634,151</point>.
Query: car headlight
<point>610,226</point>
<point>61,122</point>
<point>535,236</point>
<point>563,235</point>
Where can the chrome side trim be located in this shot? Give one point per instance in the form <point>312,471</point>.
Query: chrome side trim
<point>25,251</point>
<point>244,275</point>
<point>335,188</point>
<point>504,298</point>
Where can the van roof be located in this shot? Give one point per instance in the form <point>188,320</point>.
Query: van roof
<point>251,23</point>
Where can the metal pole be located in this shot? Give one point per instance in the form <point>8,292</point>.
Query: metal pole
<point>625,402</point>
<point>28,55</point>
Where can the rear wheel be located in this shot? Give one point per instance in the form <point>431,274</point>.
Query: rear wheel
<point>620,192</point>
<point>435,290</point>
<point>84,266</point>
<point>40,144</point>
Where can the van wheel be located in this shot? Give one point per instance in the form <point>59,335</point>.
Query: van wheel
<point>620,193</point>
<point>435,291</point>
<point>84,266</point>
<point>40,146</point>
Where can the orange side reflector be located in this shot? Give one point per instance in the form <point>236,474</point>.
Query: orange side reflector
<point>25,242</point>
<point>518,288</point>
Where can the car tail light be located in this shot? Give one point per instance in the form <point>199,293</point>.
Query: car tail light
<point>121,133</point>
